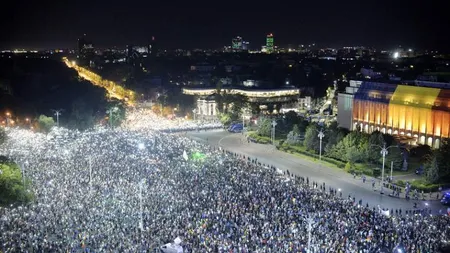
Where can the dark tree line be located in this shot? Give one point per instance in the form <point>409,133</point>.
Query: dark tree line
<point>39,86</point>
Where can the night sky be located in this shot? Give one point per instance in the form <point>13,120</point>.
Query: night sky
<point>212,24</point>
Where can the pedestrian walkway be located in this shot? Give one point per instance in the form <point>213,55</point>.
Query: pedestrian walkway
<point>388,188</point>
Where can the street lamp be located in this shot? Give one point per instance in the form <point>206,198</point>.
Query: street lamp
<point>274,124</point>
<point>320,135</point>
<point>141,216</point>
<point>90,173</point>
<point>384,152</point>
<point>111,111</point>
<point>23,172</point>
<point>57,113</point>
<point>310,222</point>
<point>244,112</point>
<point>8,115</point>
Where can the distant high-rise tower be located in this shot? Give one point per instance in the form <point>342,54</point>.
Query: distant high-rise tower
<point>236,43</point>
<point>269,43</point>
<point>153,50</point>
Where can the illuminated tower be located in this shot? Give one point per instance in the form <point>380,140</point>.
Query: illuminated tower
<point>236,44</point>
<point>152,48</point>
<point>269,43</point>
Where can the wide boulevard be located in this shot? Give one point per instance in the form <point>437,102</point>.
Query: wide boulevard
<point>318,172</point>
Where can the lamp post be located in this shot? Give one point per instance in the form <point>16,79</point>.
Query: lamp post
<point>57,114</point>
<point>384,152</point>
<point>110,112</point>
<point>274,124</point>
<point>90,173</point>
<point>320,135</point>
<point>141,216</point>
<point>310,222</point>
<point>8,115</point>
<point>23,173</point>
<point>195,112</point>
<point>244,113</point>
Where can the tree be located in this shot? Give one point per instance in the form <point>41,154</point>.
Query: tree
<point>303,124</point>
<point>311,141</point>
<point>443,159</point>
<point>432,169</point>
<point>45,123</point>
<point>394,155</point>
<point>265,127</point>
<point>295,130</point>
<point>354,139</point>
<point>12,189</point>
<point>376,140</point>
<point>291,118</point>
<point>293,137</point>
<point>82,116</point>
<point>225,119</point>
<point>118,112</point>
<point>333,136</point>
<point>353,155</point>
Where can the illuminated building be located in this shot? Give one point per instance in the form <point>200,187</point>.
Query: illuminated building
<point>236,43</point>
<point>245,45</point>
<point>152,48</point>
<point>262,97</point>
<point>269,44</point>
<point>420,114</point>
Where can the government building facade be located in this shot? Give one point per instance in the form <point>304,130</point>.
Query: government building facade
<point>417,114</point>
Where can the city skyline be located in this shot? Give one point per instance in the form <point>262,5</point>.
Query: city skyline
<point>200,25</point>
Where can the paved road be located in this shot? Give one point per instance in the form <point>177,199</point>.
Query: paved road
<point>335,178</point>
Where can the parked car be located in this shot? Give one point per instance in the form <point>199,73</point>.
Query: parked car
<point>236,128</point>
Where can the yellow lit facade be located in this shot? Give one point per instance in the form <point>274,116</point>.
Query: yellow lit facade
<point>421,113</point>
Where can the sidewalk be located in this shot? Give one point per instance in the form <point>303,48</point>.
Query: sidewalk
<point>433,196</point>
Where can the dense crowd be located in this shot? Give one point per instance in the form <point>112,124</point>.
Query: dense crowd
<point>88,188</point>
<point>145,119</point>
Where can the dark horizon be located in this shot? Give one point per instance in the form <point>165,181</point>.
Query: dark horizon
<point>382,24</point>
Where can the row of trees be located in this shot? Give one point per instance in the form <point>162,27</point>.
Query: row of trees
<point>39,86</point>
<point>12,187</point>
<point>357,147</point>
<point>354,147</point>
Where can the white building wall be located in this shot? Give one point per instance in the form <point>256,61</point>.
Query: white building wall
<point>345,111</point>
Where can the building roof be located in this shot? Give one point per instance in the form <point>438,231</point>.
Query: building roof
<point>375,92</point>
<point>424,97</point>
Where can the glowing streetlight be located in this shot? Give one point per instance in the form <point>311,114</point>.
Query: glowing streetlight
<point>274,124</point>
<point>384,153</point>
<point>57,114</point>
<point>110,112</point>
<point>141,211</point>
<point>8,115</point>
<point>320,135</point>
<point>194,112</point>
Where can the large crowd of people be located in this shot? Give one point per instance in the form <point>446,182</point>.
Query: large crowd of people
<point>145,119</point>
<point>133,190</point>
